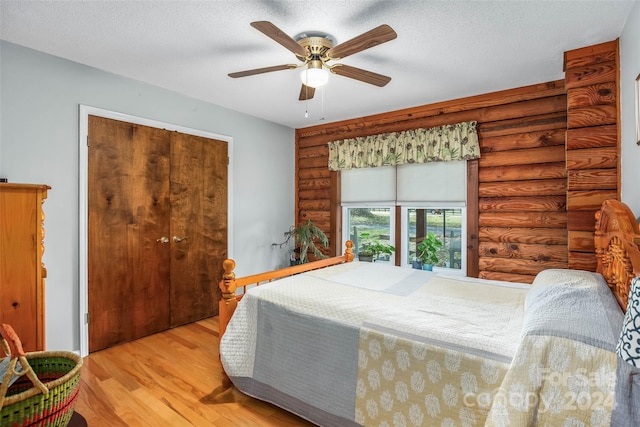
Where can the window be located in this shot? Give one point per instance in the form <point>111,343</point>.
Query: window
<point>447,223</point>
<point>431,197</point>
<point>369,223</point>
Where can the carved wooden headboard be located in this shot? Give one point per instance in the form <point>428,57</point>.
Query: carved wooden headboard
<point>617,242</point>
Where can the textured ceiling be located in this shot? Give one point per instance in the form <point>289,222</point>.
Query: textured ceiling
<point>444,49</point>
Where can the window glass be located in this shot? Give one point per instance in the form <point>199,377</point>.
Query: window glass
<point>368,224</point>
<point>447,224</point>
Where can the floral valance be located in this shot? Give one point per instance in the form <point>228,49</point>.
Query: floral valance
<point>438,144</point>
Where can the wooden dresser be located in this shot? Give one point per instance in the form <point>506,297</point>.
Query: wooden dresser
<point>22,273</point>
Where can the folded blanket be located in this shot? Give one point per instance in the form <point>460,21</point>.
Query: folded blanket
<point>565,369</point>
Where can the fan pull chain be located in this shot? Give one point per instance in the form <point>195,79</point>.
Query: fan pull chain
<point>322,105</point>
<point>306,98</point>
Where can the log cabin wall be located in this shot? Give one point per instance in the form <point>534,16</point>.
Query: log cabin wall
<point>518,187</point>
<point>593,163</point>
<point>532,196</point>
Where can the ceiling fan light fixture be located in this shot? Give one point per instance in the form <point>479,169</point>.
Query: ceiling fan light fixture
<point>314,75</point>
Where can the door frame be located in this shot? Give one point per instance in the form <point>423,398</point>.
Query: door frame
<point>83,251</point>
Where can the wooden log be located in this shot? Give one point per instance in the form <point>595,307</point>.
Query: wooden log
<point>591,55</point>
<point>501,113</point>
<point>592,137</point>
<point>602,72</point>
<point>535,123</point>
<point>589,200</point>
<point>581,241</point>
<point>583,261</point>
<point>596,115</point>
<point>532,235</point>
<point>314,184</point>
<point>592,158</point>
<point>310,137</point>
<point>507,277</point>
<point>581,220</point>
<point>523,219</point>
<point>598,94</point>
<point>519,204</point>
<point>523,157</point>
<point>313,162</point>
<point>538,187</point>
<point>313,194</point>
<point>592,179</point>
<point>315,151</point>
<point>544,138</point>
<point>518,172</point>
<point>524,251</point>
<point>319,218</point>
<point>517,266</point>
<point>314,205</point>
<point>313,173</point>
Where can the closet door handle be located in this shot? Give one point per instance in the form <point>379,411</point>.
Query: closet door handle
<point>178,239</point>
<point>163,239</point>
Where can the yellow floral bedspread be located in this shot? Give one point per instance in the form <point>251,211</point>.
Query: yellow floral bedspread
<point>552,381</point>
<point>403,382</point>
<point>556,381</point>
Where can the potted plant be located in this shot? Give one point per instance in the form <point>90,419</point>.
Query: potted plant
<point>427,250</point>
<point>370,251</point>
<point>305,237</point>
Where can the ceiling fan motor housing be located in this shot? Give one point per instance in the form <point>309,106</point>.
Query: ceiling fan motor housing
<point>316,46</point>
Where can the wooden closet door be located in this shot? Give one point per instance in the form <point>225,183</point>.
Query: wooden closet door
<point>198,225</point>
<point>128,266</point>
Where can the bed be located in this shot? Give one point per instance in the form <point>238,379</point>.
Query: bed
<point>344,343</point>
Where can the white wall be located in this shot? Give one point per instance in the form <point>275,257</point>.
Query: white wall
<point>39,112</point>
<point>629,70</point>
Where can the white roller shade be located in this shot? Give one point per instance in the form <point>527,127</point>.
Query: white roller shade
<point>434,182</point>
<point>369,185</point>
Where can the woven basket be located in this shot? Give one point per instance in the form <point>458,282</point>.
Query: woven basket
<point>26,405</point>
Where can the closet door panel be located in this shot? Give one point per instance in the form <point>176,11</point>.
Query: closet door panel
<point>128,259</point>
<point>198,225</point>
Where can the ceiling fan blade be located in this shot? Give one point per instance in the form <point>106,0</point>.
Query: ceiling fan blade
<point>262,70</point>
<point>275,33</point>
<point>306,92</point>
<point>360,74</point>
<point>371,38</point>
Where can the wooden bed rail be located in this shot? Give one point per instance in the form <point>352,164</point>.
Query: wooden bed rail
<point>229,283</point>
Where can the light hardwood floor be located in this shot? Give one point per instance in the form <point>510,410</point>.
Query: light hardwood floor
<point>169,379</point>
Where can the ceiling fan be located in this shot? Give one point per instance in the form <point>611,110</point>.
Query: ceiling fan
<point>315,50</point>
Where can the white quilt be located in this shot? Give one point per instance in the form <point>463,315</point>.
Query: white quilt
<point>307,330</point>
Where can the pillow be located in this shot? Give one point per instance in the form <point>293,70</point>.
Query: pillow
<point>567,277</point>
<point>629,344</point>
<point>573,304</point>
<point>556,277</point>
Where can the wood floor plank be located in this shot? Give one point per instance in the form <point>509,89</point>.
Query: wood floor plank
<point>170,379</point>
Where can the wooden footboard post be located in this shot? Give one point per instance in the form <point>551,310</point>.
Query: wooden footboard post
<point>227,304</point>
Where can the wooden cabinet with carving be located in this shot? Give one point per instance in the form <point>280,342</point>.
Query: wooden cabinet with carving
<point>22,273</point>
